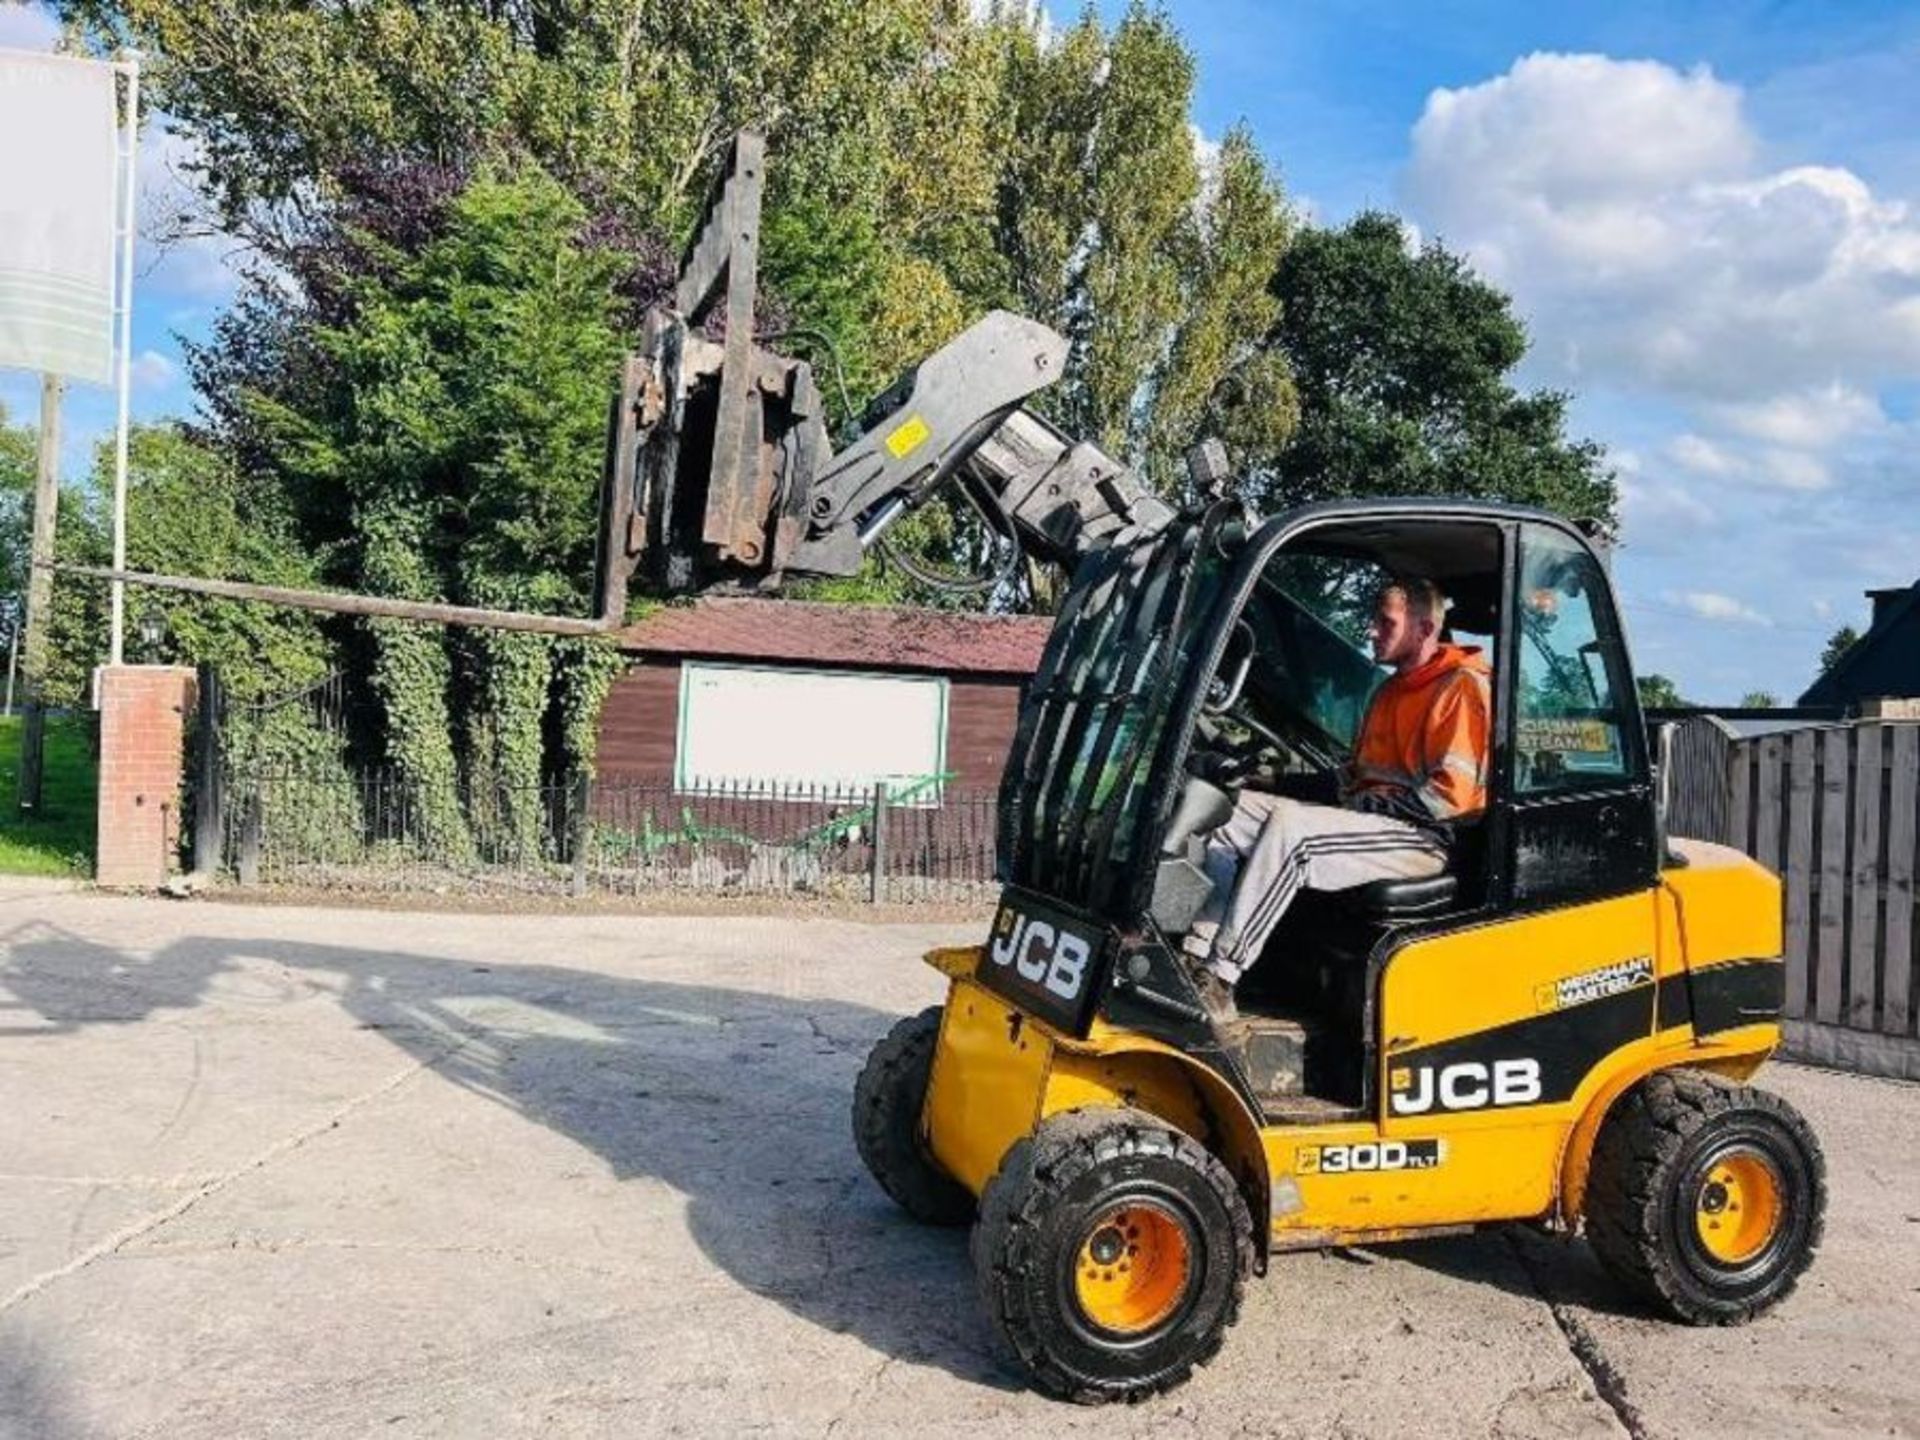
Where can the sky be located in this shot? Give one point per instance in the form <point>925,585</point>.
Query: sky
<point>1709,217</point>
<point>1707,214</point>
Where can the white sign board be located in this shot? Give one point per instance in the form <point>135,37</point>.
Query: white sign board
<point>742,725</point>
<point>59,169</point>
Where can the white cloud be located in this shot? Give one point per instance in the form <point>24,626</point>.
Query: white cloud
<point>1623,202</point>
<point>1709,605</point>
<point>1206,159</point>
<point>1735,323</point>
<point>1805,419</point>
<point>1739,462</point>
<point>1664,509</point>
<point>1031,13</point>
<point>1701,456</point>
<point>150,370</point>
<point>27,27</point>
<point>1594,129</point>
<point>1793,470</point>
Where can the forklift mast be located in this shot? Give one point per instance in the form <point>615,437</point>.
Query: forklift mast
<point>721,474</point>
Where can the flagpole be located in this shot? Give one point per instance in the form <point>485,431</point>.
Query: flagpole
<point>129,64</point>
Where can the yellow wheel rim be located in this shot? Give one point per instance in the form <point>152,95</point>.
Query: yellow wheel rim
<point>1132,1270</point>
<point>1738,1209</point>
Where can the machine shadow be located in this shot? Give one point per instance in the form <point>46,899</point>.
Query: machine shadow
<point>36,1396</point>
<point>737,1099</point>
<point>67,981</point>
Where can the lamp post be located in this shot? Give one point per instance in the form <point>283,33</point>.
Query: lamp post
<point>153,632</point>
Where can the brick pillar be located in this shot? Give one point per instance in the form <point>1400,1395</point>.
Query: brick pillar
<point>143,710</point>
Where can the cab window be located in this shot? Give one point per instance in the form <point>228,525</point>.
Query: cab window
<point>1319,630</point>
<point>1568,730</point>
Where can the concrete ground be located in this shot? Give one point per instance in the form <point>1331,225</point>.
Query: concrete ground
<point>325,1172</point>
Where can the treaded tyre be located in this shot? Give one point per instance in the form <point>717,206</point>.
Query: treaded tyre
<point>1704,1198</point>
<point>1112,1254</point>
<point>887,1101</point>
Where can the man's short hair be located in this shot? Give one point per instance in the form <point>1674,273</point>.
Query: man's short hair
<point>1423,597</point>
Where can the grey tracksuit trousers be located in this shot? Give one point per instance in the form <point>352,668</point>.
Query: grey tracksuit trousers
<point>1272,846</point>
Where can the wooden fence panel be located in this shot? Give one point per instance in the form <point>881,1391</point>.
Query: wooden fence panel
<point>1830,879</point>
<point>1769,763</point>
<point>1802,800</point>
<point>1903,818</point>
<point>1740,801</point>
<point>1869,870</point>
<point>1835,812</point>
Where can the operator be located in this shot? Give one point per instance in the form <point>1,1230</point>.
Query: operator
<point>1419,764</point>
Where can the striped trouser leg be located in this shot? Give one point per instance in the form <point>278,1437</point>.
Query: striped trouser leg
<point>1281,845</point>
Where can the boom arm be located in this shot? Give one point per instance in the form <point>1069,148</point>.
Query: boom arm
<point>720,472</point>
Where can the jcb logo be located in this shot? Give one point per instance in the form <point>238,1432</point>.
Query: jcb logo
<point>1469,1085</point>
<point>1056,959</point>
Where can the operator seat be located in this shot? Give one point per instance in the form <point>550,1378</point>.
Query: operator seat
<point>1395,901</point>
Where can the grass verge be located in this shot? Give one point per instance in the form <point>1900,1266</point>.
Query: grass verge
<point>58,840</point>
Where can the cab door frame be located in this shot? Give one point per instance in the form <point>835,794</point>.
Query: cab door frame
<point>1584,842</point>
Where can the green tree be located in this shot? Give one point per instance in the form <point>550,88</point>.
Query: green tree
<point>16,505</point>
<point>930,162</point>
<point>1841,641</point>
<point>71,652</point>
<point>459,415</point>
<point>1155,272</point>
<point>1759,700</point>
<point>631,101</point>
<point>1657,692</point>
<point>187,513</point>
<point>1402,360</point>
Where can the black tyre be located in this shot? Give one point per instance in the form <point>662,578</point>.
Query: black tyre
<point>1112,1254</point>
<point>1704,1198</point>
<point>887,1101</point>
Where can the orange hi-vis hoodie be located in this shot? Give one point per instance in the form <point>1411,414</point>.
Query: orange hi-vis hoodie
<point>1422,750</point>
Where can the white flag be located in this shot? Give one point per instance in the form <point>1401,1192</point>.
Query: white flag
<point>59,162</point>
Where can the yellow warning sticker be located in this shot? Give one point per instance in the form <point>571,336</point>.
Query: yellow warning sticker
<point>1574,736</point>
<point>908,438</point>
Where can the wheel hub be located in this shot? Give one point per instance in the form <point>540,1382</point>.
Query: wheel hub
<point>1134,1268</point>
<point>1739,1208</point>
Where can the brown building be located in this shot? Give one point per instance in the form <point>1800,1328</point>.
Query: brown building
<point>782,692</point>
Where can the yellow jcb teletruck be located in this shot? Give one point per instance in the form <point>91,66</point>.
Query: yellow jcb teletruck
<point>1558,1029</point>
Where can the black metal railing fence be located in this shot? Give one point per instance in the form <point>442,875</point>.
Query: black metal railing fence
<point>372,829</point>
